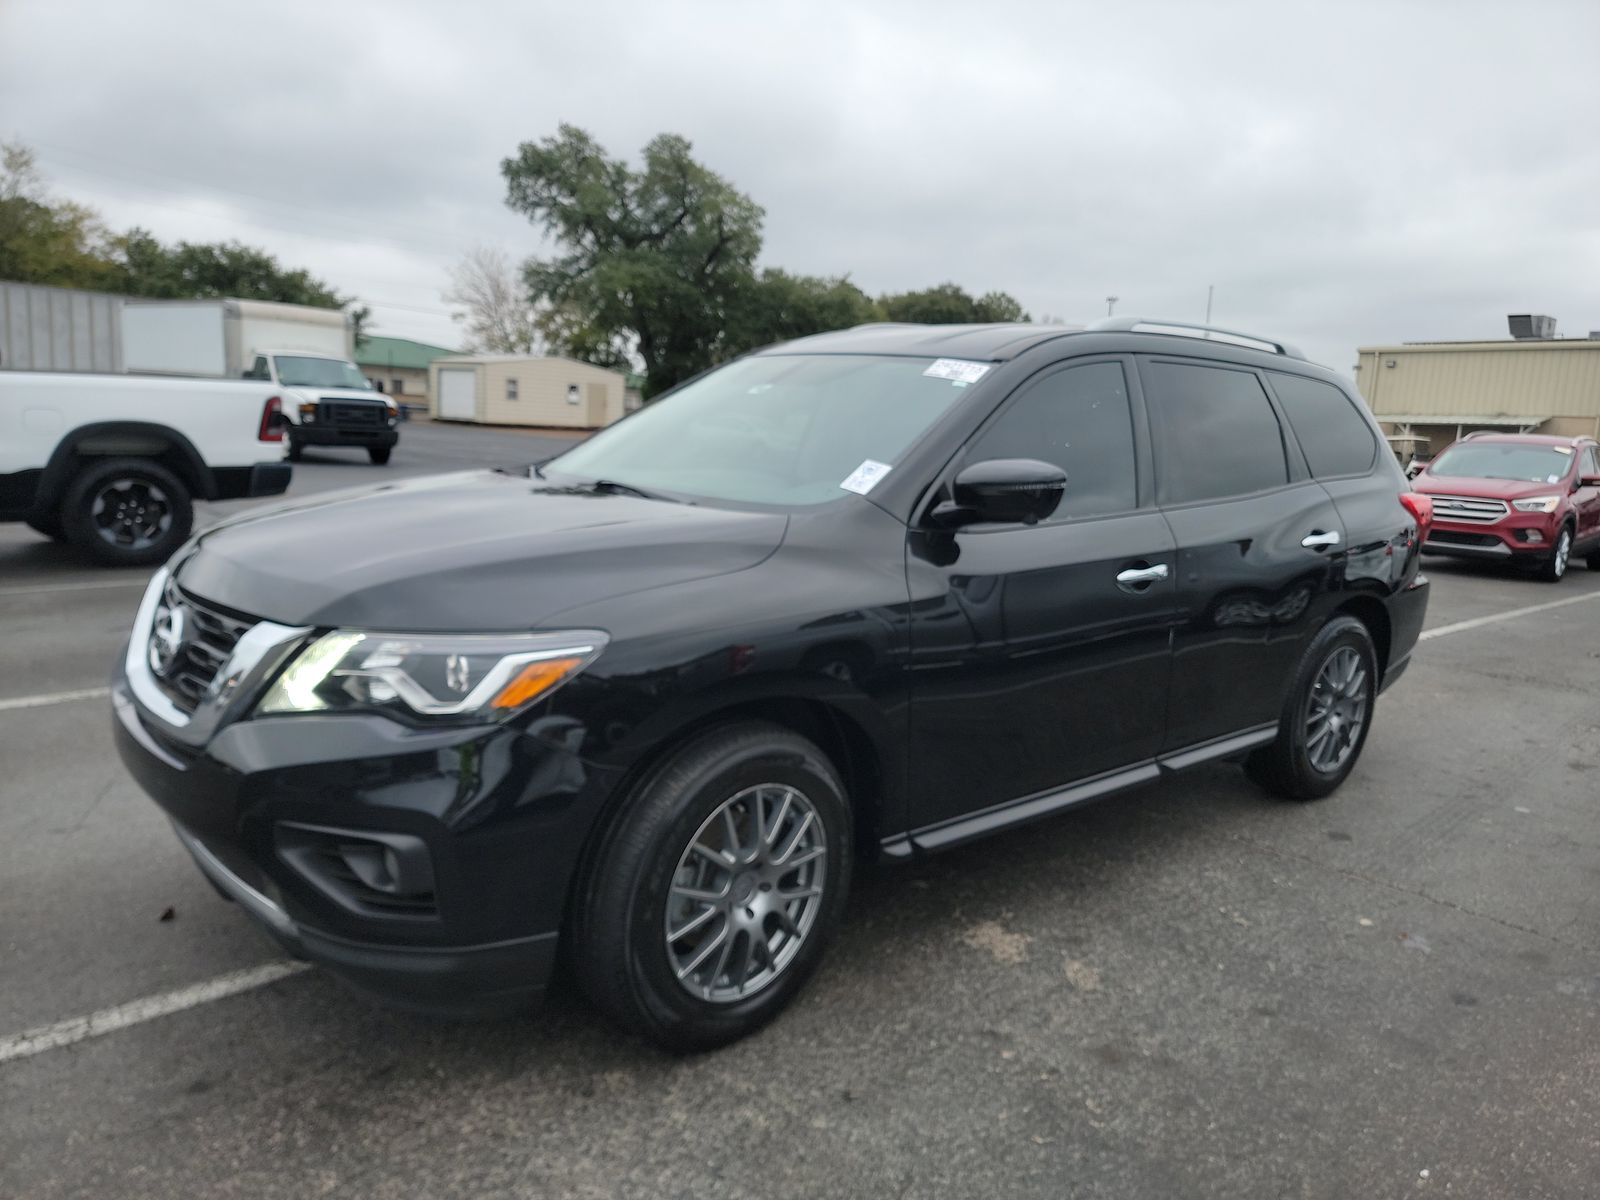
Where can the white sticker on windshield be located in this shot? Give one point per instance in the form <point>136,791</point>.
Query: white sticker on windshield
<point>865,477</point>
<point>1552,479</point>
<point>958,370</point>
<point>1562,449</point>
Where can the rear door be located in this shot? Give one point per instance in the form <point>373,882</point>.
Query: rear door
<point>1259,545</point>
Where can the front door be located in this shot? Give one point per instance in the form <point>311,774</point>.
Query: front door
<point>1033,666</point>
<point>1586,500</point>
<point>1260,551</point>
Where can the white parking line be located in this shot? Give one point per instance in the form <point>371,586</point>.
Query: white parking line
<point>135,1012</point>
<point>1492,618</point>
<point>53,698</point>
<point>96,585</point>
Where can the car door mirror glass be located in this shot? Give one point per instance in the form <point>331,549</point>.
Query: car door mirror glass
<point>1003,490</point>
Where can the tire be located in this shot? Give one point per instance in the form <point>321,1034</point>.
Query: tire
<point>633,886</point>
<point>1554,568</point>
<point>1297,766</point>
<point>379,454</point>
<point>296,450</point>
<point>49,526</point>
<point>156,523</point>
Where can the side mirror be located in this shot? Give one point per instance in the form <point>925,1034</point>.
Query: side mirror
<point>1003,490</point>
<point>1589,481</point>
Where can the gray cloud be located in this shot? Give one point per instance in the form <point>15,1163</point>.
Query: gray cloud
<point>1342,173</point>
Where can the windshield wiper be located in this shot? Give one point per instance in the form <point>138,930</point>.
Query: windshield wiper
<point>616,488</point>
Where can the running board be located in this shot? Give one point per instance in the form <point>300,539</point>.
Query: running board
<point>947,834</point>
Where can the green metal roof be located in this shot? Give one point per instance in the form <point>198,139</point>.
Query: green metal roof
<point>377,351</point>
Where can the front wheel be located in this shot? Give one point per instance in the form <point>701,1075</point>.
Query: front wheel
<point>1552,569</point>
<point>717,888</point>
<point>378,454</point>
<point>127,512</point>
<point>1326,716</point>
<point>296,451</point>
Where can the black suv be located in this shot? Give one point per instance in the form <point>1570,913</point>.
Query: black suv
<point>876,592</point>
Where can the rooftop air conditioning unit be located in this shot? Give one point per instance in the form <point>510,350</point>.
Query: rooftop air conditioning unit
<point>1532,327</point>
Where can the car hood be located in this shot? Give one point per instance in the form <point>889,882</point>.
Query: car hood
<point>469,552</point>
<point>299,393</point>
<point>1469,485</point>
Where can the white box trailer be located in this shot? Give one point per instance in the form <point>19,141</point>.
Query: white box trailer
<point>220,338</point>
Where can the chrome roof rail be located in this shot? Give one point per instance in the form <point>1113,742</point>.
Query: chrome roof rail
<point>1250,341</point>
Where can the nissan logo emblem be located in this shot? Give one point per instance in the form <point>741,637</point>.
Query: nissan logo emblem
<point>167,638</point>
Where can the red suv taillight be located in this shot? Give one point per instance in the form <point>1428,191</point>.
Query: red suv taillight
<point>1420,507</point>
<point>271,421</point>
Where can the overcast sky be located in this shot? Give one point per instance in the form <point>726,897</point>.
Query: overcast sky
<point>1343,174</point>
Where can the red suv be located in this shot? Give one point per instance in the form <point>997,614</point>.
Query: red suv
<point>1523,497</point>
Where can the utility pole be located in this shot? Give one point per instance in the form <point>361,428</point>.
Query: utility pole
<point>1111,303</point>
<point>1210,288</point>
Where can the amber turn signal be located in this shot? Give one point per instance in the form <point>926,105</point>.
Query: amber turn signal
<point>534,680</point>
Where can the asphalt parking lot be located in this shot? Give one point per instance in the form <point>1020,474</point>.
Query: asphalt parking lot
<point>1190,991</point>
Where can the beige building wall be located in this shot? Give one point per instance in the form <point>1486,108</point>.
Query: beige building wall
<point>534,391</point>
<point>415,381</point>
<point>1435,392</point>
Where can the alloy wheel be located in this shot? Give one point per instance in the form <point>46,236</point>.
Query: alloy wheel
<point>746,892</point>
<point>1337,710</point>
<point>1563,553</point>
<point>131,514</point>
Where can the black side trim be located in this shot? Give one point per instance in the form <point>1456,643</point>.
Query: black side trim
<point>17,491</point>
<point>955,832</point>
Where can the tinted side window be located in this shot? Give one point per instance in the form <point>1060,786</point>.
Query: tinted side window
<point>1079,420</point>
<point>1215,433</point>
<point>1334,436</point>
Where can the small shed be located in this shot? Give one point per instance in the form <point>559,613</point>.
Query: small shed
<point>516,389</point>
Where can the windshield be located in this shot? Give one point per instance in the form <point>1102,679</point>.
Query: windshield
<point>294,371</point>
<point>1504,460</point>
<point>777,429</point>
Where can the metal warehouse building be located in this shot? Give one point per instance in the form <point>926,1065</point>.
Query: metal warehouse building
<point>1427,394</point>
<point>513,389</point>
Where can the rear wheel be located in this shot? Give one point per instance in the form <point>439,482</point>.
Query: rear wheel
<point>1325,718</point>
<point>716,890</point>
<point>127,512</point>
<point>378,454</point>
<point>1554,568</point>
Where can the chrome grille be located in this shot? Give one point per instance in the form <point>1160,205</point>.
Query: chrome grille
<point>1475,509</point>
<point>210,634</point>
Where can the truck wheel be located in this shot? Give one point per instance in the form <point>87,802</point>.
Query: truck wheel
<point>295,450</point>
<point>127,512</point>
<point>1553,568</point>
<point>378,454</point>
<point>1325,718</point>
<point>717,888</point>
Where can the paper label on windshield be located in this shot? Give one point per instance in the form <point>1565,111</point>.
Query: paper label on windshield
<point>865,477</point>
<point>957,370</point>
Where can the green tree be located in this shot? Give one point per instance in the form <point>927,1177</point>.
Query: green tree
<point>42,240</point>
<point>949,304</point>
<point>650,261</point>
<point>144,266</point>
<point>779,306</point>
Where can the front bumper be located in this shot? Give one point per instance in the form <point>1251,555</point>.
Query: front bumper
<point>463,981</point>
<point>317,434</point>
<point>503,814</point>
<point>1504,539</point>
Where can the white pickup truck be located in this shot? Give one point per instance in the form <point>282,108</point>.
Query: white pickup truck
<point>113,463</point>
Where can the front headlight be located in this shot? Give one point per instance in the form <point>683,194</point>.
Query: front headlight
<point>460,679</point>
<point>1544,504</point>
